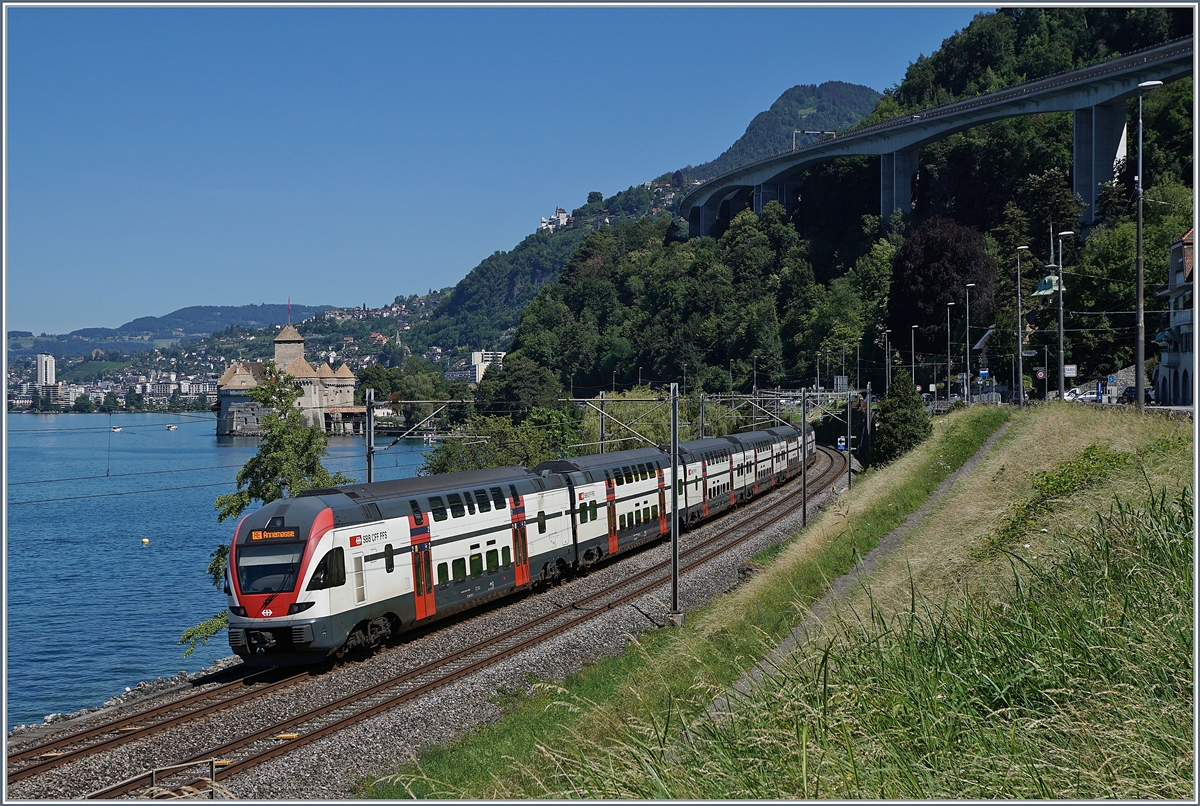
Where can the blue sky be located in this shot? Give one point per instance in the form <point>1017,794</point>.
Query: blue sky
<point>165,157</point>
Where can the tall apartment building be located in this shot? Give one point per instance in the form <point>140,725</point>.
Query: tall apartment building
<point>45,369</point>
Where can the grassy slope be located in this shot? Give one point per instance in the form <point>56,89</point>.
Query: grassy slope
<point>883,740</point>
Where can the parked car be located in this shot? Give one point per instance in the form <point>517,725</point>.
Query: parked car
<point>1130,395</point>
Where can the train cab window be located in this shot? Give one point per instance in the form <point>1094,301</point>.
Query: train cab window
<point>389,558</point>
<point>470,502</point>
<point>481,499</point>
<point>592,507</point>
<point>505,557</point>
<point>443,575</point>
<point>541,523</point>
<point>497,497</point>
<point>437,508</point>
<point>456,505</point>
<point>331,571</point>
<point>622,521</point>
<point>418,518</point>
<point>493,561</point>
<point>476,566</point>
<point>460,570</point>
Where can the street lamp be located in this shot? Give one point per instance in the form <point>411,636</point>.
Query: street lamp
<point>887,348</point>
<point>1062,378</point>
<point>1020,333</point>
<point>913,348</point>
<point>949,305</point>
<point>1140,354</point>
<point>858,363</point>
<point>818,370</point>
<point>639,377</point>
<point>614,382</point>
<point>969,287</point>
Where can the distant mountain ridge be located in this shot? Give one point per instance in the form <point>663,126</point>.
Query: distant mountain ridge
<point>203,320</point>
<point>832,106</point>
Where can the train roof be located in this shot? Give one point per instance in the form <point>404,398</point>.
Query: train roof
<point>604,460</point>
<point>417,485</point>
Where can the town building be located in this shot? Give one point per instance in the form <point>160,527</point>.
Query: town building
<point>1175,371</point>
<point>45,369</point>
<point>326,402</point>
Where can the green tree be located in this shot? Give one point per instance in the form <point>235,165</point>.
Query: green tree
<point>288,462</point>
<point>595,197</point>
<point>110,403</point>
<point>901,422</point>
<point>134,401</point>
<point>35,396</point>
<point>83,404</point>
<point>497,442</point>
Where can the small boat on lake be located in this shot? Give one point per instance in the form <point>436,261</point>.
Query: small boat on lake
<point>172,427</point>
<point>115,428</point>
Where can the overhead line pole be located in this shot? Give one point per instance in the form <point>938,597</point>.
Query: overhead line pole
<point>676,615</point>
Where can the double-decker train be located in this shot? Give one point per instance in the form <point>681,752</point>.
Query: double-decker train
<point>334,570</point>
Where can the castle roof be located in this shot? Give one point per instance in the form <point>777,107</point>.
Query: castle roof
<point>324,371</point>
<point>289,334</point>
<point>240,376</point>
<point>344,371</point>
<point>300,369</point>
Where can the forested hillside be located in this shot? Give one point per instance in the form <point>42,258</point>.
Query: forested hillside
<point>827,281</point>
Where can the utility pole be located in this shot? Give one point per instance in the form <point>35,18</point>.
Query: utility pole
<point>1062,378</point>
<point>849,436</point>
<point>601,421</point>
<point>701,415</point>
<point>676,614</point>
<point>1140,335</point>
<point>804,452</point>
<point>369,399</point>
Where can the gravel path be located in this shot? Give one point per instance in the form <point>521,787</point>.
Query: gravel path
<point>334,766</point>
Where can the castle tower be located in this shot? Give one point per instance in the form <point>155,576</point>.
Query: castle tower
<point>289,345</point>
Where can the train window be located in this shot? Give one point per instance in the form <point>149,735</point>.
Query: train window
<point>513,489</point>
<point>628,474</point>
<point>481,498</point>
<point>497,497</point>
<point>635,517</point>
<point>331,571</point>
<point>622,521</point>
<point>583,514</point>
<point>428,572</point>
<point>593,508</point>
<point>437,508</point>
<point>443,575</point>
<point>460,570</point>
<point>418,518</point>
<point>645,514</point>
<point>493,561</point>
<point>505,557</point>
<point>470,501</point>
<point>476,565</point>
<point>654,512</point>
<point>541,523</point>
<point>617,475</point>
<point>679,484</point>
<point>456,505</point>
<point>607,477</point>
<point>389,558</point>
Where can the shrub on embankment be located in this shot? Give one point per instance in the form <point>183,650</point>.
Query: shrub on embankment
<point>1017,645</point>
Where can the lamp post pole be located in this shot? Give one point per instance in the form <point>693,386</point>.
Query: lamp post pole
<point>949,368</point>
<point>1062,378</point>
<point>969,287</point>
<point>1140,352</point>
<point>913,349</point>
<point>887,348</point>
<point>818,372</point>
<point>858,363</point>
<point>1020,333</point>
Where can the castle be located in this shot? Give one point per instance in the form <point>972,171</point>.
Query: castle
<point>327,401</point>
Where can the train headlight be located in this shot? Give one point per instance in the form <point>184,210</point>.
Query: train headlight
<point>238,611</point>
<point>299,607</point>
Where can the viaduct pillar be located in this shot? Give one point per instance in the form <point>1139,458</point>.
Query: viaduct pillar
<point>1099,145</point>
<point>896,172</point>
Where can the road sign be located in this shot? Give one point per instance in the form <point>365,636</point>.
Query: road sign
<point>1112,378</point>
<point>962,377</point>
<point>1041,374</point>
<point>1029,353</point>
<point>918,387</point>
<point>1070,370</point>
<point>983,373</point>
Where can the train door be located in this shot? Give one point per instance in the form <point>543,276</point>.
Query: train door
<point>422,562</point>
<point>704,485</point>
<point>662,503</point>
<point>520,538</point>
<point>610,497</point>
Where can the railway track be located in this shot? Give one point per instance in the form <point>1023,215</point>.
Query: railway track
<point>286,735</point>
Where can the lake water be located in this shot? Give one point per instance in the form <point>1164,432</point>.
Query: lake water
<point>89,609</point>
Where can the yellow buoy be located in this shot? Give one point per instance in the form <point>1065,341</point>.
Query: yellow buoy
<point>145,541</point>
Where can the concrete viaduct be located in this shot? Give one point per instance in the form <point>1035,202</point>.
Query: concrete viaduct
<point>1096,94</point>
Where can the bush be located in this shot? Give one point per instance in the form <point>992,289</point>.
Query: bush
<point>902,422</point>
